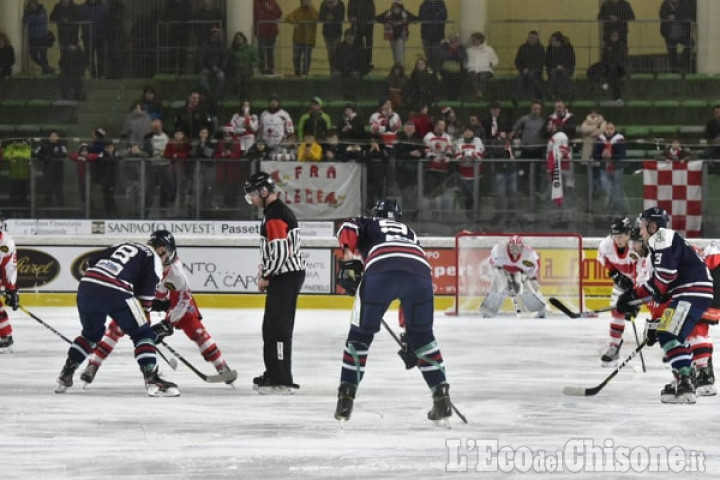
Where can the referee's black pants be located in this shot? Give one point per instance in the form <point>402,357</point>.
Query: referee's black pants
<point>278,325</point>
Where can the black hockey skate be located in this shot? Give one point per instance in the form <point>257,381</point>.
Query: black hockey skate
<point>89,373</point>
<point>705,381</point>
<point>346,400</point>
<point>157,386</point>
<point>442,408</point>
<point>265,386</point>
<point>6,344</point>
<point>680,390</point>
<point>65,380</point>
<point>611,355</point>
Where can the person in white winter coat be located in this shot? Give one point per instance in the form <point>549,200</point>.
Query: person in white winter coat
<point>481,63</point>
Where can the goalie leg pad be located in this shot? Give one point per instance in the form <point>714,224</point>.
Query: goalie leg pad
<point>492,303</point>
<point>532,302</point>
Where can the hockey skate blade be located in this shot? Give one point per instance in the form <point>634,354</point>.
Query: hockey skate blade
<point>60,388</point>
<point>5,350</point>
<point>155,391</point>
<point>575,391</point>
<point>276,390</point>
<point>443,423</point>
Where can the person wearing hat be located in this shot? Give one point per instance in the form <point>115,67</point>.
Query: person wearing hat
<point>275,123</point>
<point>281,276</point>
<point>315,121</point>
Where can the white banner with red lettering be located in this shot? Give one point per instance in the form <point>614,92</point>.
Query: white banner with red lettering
<point>318,191</point>
<point>676,187</point>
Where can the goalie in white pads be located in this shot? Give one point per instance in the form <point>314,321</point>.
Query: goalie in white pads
<point>515,268</point>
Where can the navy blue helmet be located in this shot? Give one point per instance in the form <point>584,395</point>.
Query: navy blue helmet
<point>387,208</point>
<point>657,215</point>
<point>163,238</point>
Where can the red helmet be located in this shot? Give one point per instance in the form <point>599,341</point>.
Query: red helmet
<point>515,247</point>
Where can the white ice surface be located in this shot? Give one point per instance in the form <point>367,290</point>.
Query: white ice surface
<point>506,376</point>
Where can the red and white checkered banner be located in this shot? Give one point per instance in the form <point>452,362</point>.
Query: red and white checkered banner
<point>676,187</point>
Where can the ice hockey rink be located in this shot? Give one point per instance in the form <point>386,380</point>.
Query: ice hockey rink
<point>506,374</point>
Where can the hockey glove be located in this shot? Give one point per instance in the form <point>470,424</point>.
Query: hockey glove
<point>624,303</point>
<point>350,275</point>
<point>161,330</point>
<point>11,299</point>
<point>657,295</point>
<point>621,281</point>
<point>651,332</point>
<point>406,353</point>
<point>159,305</point>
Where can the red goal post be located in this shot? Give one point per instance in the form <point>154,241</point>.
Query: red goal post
<point>560,273</point>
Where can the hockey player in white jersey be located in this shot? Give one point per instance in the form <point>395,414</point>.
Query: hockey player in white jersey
<point>515,268</point>
<point>616,254</point>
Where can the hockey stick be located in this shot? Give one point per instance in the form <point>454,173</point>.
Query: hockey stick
<point>226,377</point>
<point>588,392</point>
<point>43,323</point>
<point>397,340</point>
<point>173,364</point>
<point>589,313</point>
<point>637,342</point>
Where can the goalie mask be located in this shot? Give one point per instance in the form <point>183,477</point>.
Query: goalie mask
<point>515,247</point>
<point>387,209</point>
<point>166,240</point>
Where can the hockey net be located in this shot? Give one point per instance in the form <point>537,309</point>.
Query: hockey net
<point>560,273</point>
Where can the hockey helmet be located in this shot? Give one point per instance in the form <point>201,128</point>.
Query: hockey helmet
<point>387,208</point>
<point>620,225</point>
<point>163,238</point>
<point>657,215</point>
<point>515,247</point>
<point>259,180</point>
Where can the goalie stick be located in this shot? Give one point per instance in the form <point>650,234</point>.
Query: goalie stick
<point>397,340</point>
<point>588,392</point>
<point>225,377</point>
<point>589,313</point>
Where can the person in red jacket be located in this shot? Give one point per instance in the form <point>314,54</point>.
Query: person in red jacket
<point>229,169</point>
<point>266,14</point>
<point>178,151</point>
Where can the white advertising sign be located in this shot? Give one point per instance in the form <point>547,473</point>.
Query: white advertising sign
<point>209,269</point>
<point>128,228</point>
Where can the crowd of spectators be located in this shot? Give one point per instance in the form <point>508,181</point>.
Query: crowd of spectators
<point>453,152</point>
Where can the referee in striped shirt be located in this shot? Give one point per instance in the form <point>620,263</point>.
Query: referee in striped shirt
<point>281,276</point>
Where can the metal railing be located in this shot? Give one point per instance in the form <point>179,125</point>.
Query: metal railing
<point>193,189</point>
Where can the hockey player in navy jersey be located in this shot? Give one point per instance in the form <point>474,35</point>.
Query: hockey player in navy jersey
<point>395,267</point>
<point>680,278</point>
<point>173,295</point>
<point>120,283</point>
